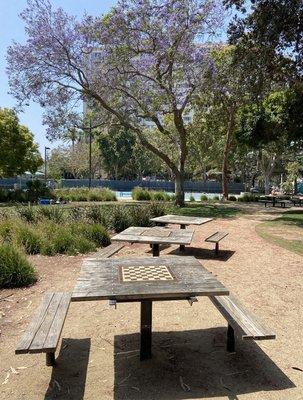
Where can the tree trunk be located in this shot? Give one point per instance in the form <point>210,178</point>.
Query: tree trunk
<point>179,188</point>
<point>267,184</point>
<point>227,147</point>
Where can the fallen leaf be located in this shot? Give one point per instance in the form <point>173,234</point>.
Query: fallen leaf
<point>297,369</point>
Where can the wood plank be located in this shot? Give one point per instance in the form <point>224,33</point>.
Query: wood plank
<point>34,325</point>
<point>100,279</point>
<point>108,251</point>
<point>54,333</point>
<point>216,237</point>
<point>41,334</point>
<point>241,319</point>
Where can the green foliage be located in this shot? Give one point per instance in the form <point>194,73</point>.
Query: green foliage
<point>85,194</point>
<point>29,239</point>
<point>27,213</point>
<point>18,152</point>
<point>15,269</point>
<point>119,219</point>
<point>140,216</point>
<point>140,194</point>
<point>203,197</point>
<point>246,198</point>
<point>97,234</point>
<point>191,198</point>
<point>52,213</point>
<point>160,196</point>
<point>37,189</point>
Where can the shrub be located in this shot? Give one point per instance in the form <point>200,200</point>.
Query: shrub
<point>29,240</point>
<point>203,197</point>
<point>119,219</point>
<point>191,198</point>
<point>139,193</point>
<point>27,213</point>
<point>84,246</point>
<point>160,196</point>
<point>215,198</point>
<point>53,213</point>
<point>140,216</point>
<point>3,196</point>
<point>7,228</point>
<point>96,234</point>
<point>15,269</point>
<point>232,198</point>
<point>97,214</point>
<point>157,209</point>
<point>37,189</point>
<point>248,198</point>
<point>85,194</point>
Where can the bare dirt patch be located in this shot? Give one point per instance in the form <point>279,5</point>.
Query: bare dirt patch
<point>98,358</point>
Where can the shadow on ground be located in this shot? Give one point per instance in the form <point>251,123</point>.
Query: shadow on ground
<point>204,254</point>
<point>69,376</point>
<point>192,365</point>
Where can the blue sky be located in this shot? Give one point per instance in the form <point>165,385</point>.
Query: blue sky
<point>12,28</point>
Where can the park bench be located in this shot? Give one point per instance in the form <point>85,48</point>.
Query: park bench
<point>240,320</point>
<point>216,238</point>
<point>43,333</point>
<point>108,251</point>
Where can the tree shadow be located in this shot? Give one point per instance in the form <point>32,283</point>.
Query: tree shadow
<point>69,375</point>
<point>204,254</point>
<point>191,365</point>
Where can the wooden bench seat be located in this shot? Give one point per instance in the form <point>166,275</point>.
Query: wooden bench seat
<point>43,333</point>
<point>216,238</point>
<point>108,251</point>
<point>240,320</point>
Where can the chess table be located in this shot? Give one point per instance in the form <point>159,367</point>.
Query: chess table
<point>145,280</point>
<point>181,220</point>
<point>154,236</point>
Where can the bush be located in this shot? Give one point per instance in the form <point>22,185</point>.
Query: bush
<point>157,209</point>
<point>29,240</point>
<point>85,194</point>
<point>160,196</point>
<point>191,198</point>
<point>27,213</point>
<point>15,269</point>
<point>119,219</point>
<point>140,216</point>
<point>232,198</point>
<point>215,198</point>
<point>203,197</point>
<point>53,213</point>
<point>7,229</point>
<point>246,198</point>
<point>97,234</point>
<point>97,214</point>
<point>37,189</point>
<point>139,193</point>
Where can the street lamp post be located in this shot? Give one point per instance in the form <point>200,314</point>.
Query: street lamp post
<point>45,163</point>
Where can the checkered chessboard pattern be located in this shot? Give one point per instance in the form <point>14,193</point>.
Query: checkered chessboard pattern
<point>149,273</point>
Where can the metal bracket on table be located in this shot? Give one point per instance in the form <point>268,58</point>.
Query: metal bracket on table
<point>192,300</point>
<point>112,303</point>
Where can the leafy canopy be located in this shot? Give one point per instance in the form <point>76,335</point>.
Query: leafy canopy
<point>18,152</point>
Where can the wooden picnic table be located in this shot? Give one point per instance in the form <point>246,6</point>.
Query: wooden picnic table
<point>154,236</point>
<point>145,280</point>
<point>181,220</point>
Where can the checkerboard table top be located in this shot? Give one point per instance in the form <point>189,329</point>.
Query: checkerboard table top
<point>135,279</point>
<point>181,220</point>
<point>136,234</point>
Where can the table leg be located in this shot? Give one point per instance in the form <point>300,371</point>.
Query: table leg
<point>182,247</point>
<point>146,330</point>
<point>156,249</point>
<point>230,346</point>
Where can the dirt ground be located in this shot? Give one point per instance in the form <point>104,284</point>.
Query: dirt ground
<point>98,358</point>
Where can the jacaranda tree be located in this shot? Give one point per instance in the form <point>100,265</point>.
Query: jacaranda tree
<point>143,61</point>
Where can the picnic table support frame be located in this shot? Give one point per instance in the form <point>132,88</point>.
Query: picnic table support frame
<point>146,330</point>
<point>182,247</point>
<point>156,249</point>
<point>50,359</point>
<point>217,248</point>
<point>230,344</point>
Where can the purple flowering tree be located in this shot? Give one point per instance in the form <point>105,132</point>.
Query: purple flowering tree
<point>142,62</point>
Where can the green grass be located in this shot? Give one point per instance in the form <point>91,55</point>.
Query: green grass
<point>290,221</point>
<point>207,210</point>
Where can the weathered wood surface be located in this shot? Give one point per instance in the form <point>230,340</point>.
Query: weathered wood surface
<point>109,251</point>
<point>157,235</point>
<point>42,334</point>
<point>241,319</point>
<point>216,237</point>
<point>181,220</point>
<point>100,280</point>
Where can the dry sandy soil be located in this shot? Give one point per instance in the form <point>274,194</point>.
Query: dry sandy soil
<point>98,358</point>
